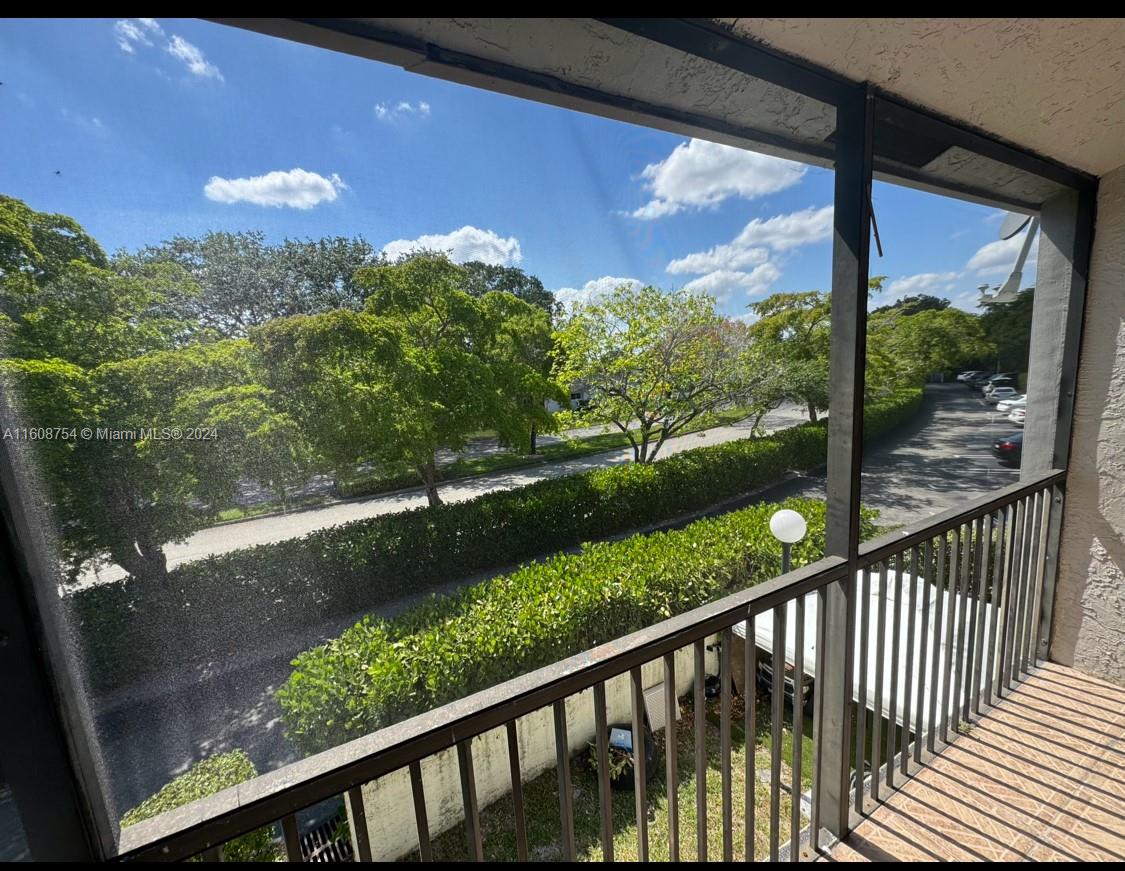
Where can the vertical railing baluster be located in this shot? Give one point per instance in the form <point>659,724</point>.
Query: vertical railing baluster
<point>700,698</point>
<point>1006,598</point>
<point>777,688</point>
<point>863,621</point>
<point>1031,615</point>
<point>963,600</point>
<point>996,583</point>
<point>950,624</point>
<point>981,613</point>
<point>292,839</point>
<point>605,795</point>
<point>671,756</point>
<point>818,713</point>
<point>566,793</point>
<point>725,743</point>
<point>640,774</point>
<point>212,854</point>
<point>796,788</point>
<point>1012,620</point>
<point>880,657</point>
<point>908,685</point>
<point>1024,587</point>
<point>515,771</point>
<point>354,799</point>
<point>970,585</point>
<point>892,698</point>
<point>1000,596</point>
<point>421,820</point>
<point>750,724</point>
<point>1040,569</point>
<point>469,799</point>
<point>923,649</point>
<point>942,546</point>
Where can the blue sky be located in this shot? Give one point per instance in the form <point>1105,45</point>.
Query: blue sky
<point>165,127</point>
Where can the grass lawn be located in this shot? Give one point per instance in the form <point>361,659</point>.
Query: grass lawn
<point>542,803</point>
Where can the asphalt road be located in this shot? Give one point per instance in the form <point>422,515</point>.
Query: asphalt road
<point>942,459</point>
<point>266,530</point>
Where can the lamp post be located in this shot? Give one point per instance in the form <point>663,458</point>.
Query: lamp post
<point>788,527</point>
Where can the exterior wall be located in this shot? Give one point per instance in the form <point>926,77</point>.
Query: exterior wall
<point>1089,618</point>
<point>388,802</point>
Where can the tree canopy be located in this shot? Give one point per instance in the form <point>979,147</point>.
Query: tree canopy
<point>653,362</point>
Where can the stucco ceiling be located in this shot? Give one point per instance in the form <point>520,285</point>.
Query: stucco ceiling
<point>1056,87</point>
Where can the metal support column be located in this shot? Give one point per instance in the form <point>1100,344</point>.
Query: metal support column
<point>851,243</point>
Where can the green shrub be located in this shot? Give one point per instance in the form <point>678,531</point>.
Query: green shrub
<point>201,780</point>
<point>206,609</point>
<point>381,671</point>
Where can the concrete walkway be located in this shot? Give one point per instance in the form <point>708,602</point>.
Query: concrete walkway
<point>266,530</point>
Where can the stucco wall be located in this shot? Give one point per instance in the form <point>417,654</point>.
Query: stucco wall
<point>1089,624</point>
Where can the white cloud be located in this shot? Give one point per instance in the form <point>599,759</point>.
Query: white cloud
<point>749,263</point>
<point>468,243</point>
<point>593,290</point>
<point>723,284</point>
<point>923,282</point>
<point>785,232</point>
<point>401,111</point>
<point>720,257</point>
<point>998,258</point>
<point>297,188</point>
<point>150,24</point>
<point>129,32</point>
<point>192,58</point>
<point>700,174</point>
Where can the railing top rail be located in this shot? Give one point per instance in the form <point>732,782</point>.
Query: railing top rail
<point>878,549</point>
<point>216,819</point>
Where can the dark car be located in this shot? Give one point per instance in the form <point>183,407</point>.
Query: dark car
<point>1008,379</point>
<point>978,380</point>
<point>1009,449</point>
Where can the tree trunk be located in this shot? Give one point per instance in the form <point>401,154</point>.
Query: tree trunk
<point>532,442</point>
<point>428,473</point>
<point>145,561</point>
<point>812,412</point>
<point>640,453</point>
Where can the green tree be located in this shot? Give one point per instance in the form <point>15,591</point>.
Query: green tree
<point>902,349</point>
<point>481,278</point>
<point>245,282</point>
<point>90,315</point>
<point>794,330</point>
<point>653,362</point>
<point>38,245</point>
<point>423,367</point>
<point>1007,327</point>
<point>911,305</point>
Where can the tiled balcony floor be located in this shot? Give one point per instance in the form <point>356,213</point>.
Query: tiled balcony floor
<point>1041,777</point>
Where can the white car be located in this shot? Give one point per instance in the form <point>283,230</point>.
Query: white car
<point>1014,402</point>
<point>996,394</point>
<point>1017,416</point>
<point>965,376</point>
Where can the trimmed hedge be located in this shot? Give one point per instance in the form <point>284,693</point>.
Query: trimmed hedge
<point>201,780</point>
<point>382,671</point>
<point>208,609</point>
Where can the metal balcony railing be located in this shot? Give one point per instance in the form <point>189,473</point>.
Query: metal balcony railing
<point>945,617</point>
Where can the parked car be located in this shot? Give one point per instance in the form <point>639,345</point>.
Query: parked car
<point>1009,449</point>
<point>972,373</point>
<point>997,393</point>
<point>978,379</point>
<point>993,385</point>
<point>1017,416</point>
<point>765,680</point>
<point>998,378</point>
<point>1015,402</point>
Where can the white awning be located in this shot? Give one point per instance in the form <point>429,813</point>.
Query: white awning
<point>763,633</point>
